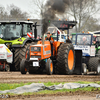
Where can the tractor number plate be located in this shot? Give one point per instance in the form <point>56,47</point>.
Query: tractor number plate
<point>35,64</point>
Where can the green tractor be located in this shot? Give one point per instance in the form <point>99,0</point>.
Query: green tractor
<point>73,38</point>
<point>17,36</point>
<point>96,42</point>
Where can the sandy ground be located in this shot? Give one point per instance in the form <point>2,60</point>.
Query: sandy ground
<point>17,77</point>
<point>79,95</point>
<point>59,98</point>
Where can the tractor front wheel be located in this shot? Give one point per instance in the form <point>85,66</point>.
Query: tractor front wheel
<point>49,67</point>
<point>19,54</point>
<point>22,67</point>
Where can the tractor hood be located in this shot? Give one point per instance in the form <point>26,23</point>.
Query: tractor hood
<point>18,41</point>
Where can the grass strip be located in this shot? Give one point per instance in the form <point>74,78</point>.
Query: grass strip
<point>6,86</point>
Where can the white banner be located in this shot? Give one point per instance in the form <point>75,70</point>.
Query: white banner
<point>86,50</point>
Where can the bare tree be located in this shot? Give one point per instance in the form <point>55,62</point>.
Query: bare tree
<point>3,13</point>
<point>15,12</point>
<point>82,9</point>
<point>38,6</point>
<point>12,12</point>
<point>92,25</point>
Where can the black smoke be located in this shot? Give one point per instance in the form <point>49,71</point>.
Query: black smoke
<point>51,9</point>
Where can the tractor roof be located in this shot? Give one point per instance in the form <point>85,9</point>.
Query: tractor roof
<point>14,22</point>
<point>95,33</point>
<point>64,24</point>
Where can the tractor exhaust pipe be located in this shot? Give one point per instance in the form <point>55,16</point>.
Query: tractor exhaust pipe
<point>35,31</point>
<point>43,39</point>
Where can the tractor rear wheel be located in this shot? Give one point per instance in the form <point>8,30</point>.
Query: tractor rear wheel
<point>49,67</point>
<point>65,59</point>
<point>22,53</point>
<point>94,64</point>
<point>22,67</point>
<point>98,54</point>
<point>19,54</point>
<point>16,61</point>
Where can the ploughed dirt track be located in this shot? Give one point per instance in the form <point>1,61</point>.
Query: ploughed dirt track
<point>17,77</point>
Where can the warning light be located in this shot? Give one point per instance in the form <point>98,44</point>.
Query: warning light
<point>59,19</point>
<point>82,31</point>
<point>28,19</point>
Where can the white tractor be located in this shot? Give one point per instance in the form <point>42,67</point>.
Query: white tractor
<point>90,62</point>
<point>6,58</point>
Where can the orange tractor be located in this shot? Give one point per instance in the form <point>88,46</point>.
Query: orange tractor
<point>38,57</point>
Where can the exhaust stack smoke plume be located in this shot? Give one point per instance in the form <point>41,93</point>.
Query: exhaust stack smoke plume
<point>51,9</point>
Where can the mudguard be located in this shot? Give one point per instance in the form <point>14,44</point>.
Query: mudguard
<point>78,62</point>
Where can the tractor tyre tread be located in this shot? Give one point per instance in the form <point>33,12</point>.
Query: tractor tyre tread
<point>19,54</point>
<point>62,59</point>
<point>93,63</point>
<point>22,67</point>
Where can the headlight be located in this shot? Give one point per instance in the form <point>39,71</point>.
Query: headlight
<point>35,48</point>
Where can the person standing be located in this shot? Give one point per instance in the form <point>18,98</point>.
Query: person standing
<point>49,38</point>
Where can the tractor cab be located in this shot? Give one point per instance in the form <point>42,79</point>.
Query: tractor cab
<point>83,39</point>
<point>84,42</point>
<point>15,33</point>
<point>14,30</point>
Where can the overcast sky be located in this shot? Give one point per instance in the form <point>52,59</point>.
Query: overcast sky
<point>25,5</point>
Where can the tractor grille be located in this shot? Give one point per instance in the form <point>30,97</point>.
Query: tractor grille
<point>35,48</point>
<point>35,56</point>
